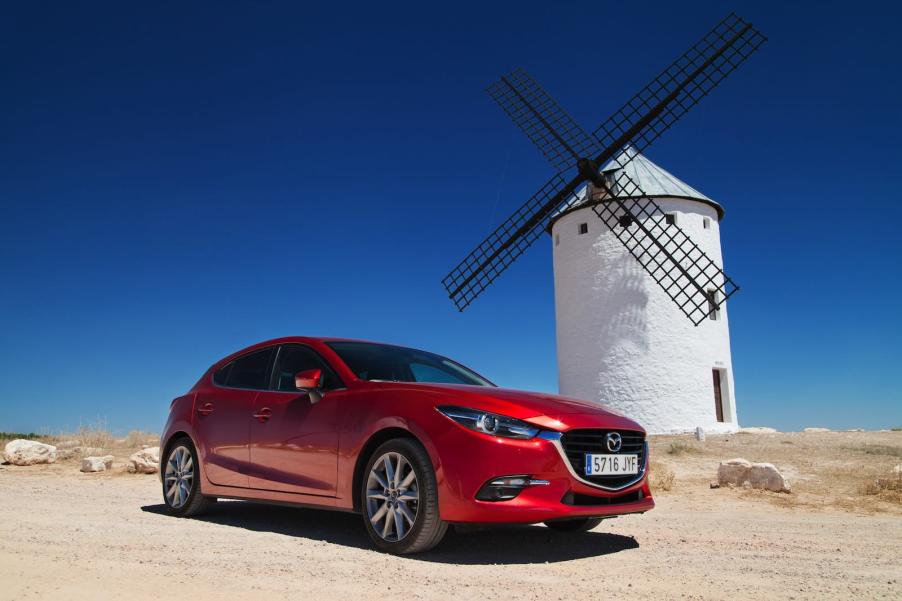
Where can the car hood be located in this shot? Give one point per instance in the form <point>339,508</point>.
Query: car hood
<point>520,404</point>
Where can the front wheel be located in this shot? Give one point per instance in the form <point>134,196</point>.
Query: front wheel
<point>399,498</point>
<point>576,525</point>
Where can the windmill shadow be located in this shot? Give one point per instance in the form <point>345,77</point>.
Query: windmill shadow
<point>506,545</point>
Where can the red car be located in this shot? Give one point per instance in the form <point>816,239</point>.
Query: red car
<point>411,440</point>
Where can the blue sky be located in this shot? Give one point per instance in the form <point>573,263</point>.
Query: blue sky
<point>180,181</point>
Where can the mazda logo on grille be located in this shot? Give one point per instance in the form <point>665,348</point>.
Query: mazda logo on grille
<point>613,441</point>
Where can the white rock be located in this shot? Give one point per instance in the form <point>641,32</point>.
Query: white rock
<point>97,464</point>
<point>29,452</point>
<point>734,471</point>
<point>759,430</point>
<point>739,472</point>
<point>816,430</point>
<point>700,434</point>
<point>768,477</point>
<point>898,469</point>
<point>146,461</point>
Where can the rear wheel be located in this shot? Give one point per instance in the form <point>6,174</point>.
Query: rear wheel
<point>576,525</point>
<point>399,498</point>
<point>181,481</point>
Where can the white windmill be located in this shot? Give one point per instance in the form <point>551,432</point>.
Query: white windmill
<point>620,338</point>
<point>634,247</point>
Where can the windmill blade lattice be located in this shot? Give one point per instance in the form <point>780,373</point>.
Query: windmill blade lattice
<point>550,127</point>
<point>510,240</point>
<point>688,79</point>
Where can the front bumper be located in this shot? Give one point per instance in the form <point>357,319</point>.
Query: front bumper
<point>470,459</point>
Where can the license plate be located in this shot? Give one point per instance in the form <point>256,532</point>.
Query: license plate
<point>611,465</point>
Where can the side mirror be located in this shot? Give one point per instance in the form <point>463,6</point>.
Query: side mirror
<point>310,381</point>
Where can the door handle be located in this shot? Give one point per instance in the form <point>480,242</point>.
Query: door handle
<point>263,414</point>
<point>205,409</point>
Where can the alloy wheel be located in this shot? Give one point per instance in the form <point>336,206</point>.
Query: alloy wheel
<point>392,497</point>
<point>179,476</point>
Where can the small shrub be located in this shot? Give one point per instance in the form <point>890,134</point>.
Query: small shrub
<point>888,488</point>
<point>17,435</point>
<point>660,477</point>
<point>95,435</point>
<point>877,449</point>
<point>138,438</point>
<point>678,448</point>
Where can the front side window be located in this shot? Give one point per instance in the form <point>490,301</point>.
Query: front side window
<point>295,358</point>
<point>370,361</point>
<point>250,371</point>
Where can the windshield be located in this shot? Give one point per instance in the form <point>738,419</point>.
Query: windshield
<point>371,361</point>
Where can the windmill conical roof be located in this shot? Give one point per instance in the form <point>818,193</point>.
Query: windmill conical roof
<point>651,178</point>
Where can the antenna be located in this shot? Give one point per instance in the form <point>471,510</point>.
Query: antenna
<point>666,253</point>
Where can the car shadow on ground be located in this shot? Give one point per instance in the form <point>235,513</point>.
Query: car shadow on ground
<point>463,545</point>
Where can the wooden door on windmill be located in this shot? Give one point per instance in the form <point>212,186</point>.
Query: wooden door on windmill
<point>718,397</point>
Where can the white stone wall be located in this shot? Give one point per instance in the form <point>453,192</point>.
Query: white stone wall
<point>622,341</point>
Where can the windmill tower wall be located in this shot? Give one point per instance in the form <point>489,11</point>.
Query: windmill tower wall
<point>621,341</point>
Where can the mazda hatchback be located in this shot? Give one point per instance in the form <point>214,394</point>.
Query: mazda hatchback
<point>411,440</point>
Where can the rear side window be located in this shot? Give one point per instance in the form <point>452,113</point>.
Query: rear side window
<point>250,371</point>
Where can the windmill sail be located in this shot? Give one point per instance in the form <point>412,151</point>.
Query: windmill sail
<point>545,123</point>
<point>509,240</point>
<point>679,87</point>
<point>692,279</point>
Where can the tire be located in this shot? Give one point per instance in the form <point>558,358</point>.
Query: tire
<point>426,530</point>
<point>186,500</point>
<point>577,525</point>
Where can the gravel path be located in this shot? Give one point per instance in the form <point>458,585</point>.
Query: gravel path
<point>66,535</point>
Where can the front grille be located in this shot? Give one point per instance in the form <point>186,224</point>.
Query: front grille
<point>577,443</point>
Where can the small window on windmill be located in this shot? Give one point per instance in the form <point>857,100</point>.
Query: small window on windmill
<point>625,220</point>
<point>706,223</point>
<point>670,218</point>
<point>713,307</point>
<point>583,228</point>
<point>557,239</point>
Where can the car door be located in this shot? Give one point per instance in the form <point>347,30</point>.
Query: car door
<point>294,442</point>
<point>224,412</point>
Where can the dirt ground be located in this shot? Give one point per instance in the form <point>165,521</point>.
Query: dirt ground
<point>67,535</point>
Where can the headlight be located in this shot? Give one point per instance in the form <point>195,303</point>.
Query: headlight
<point>490,423</point>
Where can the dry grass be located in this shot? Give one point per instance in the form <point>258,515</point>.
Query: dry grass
<point>89,439</point>
<point>139,438</point>
<point>852,471</point>
<point>888,488</point>
<point>877,449</point>
<point>679,448</point>
<point>660,477</point>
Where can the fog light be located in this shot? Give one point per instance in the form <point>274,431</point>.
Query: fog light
<point>506,488</point>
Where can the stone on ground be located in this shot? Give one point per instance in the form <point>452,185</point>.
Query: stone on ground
<point>739,472</point>
<point>29,452</point>
<point>97,464</point>
<point>816,430</point>
<point>758,430</point>
<point>146,461</point>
